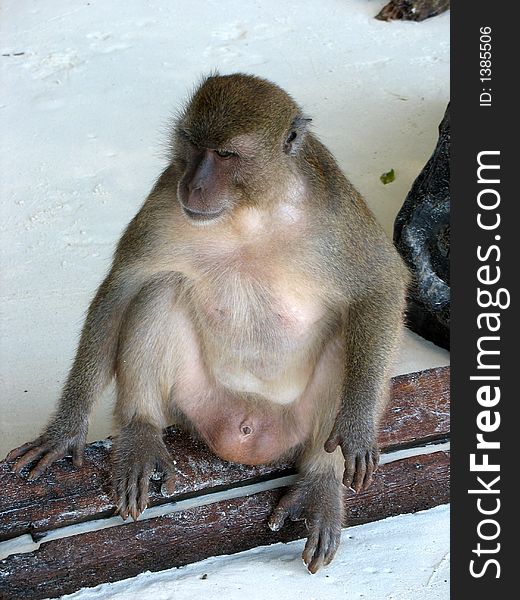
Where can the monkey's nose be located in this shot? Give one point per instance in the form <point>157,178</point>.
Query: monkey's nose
<point>197,201</point>
<point>194,186</point>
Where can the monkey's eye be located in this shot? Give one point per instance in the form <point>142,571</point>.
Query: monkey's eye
<point>291,137</point>
<point>224,153</point>
<point>185,136</point>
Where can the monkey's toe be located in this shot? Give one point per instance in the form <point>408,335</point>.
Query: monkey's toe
<point>321,546</point>
<point>290,506</point>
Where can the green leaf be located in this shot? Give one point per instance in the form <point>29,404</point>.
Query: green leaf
<point>388,177</point>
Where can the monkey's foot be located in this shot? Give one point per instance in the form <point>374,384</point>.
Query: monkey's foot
<point>139,453</point>
<point>319,502</point>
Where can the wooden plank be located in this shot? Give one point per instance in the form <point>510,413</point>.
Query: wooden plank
<point>419,409</point>
<point>418,413</point>
<point>65,565</point>
<point>65,495</point>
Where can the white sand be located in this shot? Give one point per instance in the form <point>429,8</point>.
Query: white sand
<point>377,561</point>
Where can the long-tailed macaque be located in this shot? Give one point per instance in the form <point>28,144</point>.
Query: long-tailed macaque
<point>255,301</point>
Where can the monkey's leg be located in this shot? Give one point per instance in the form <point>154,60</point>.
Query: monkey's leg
<point>92,370</point>
<point>145,373</point>
<point>317,498</point>
<point>372,331</point>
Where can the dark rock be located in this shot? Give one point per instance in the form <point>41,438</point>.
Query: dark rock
<point>412,10</point>
<point>422,236</point>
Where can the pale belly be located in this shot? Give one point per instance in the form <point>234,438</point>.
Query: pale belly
<point>249,386</point>
<point>283,387</point>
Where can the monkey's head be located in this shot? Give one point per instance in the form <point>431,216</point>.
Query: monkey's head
<point>236,134</point>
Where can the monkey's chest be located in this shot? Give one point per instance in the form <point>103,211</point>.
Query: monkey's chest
<point>260,339</point>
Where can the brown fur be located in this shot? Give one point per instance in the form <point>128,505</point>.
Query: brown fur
<point>253,299</point>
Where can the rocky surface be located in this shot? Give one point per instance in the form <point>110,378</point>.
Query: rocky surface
<point>422,236</point>
<point>412,10</point>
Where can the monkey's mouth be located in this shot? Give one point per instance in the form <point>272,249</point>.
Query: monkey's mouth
<point>200,216</point>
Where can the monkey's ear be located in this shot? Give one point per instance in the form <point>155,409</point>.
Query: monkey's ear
<point>294,137</point>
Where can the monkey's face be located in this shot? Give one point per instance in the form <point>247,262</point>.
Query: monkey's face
<point>233,145</point>
<point>209,186</point>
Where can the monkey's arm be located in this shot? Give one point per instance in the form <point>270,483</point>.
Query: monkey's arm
<point>373,324</point>
<point>137,259</point>
<point>91,371</point>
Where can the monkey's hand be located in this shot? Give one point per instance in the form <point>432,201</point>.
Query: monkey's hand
<point>360,451</point>
<point>139,453</point>
<point>59,440</point>
<point>319,502</point>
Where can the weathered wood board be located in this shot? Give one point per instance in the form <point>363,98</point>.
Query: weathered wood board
<point>418,414</point>
<point>65,565</point>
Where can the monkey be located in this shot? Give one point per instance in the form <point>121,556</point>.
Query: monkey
<point>253,300</point>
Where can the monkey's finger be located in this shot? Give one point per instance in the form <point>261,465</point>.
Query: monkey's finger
<point>371,467</point>
<point>167,470</point>
<point>28,457</point>
<point>17,452</point>
<point>165,463</point>
<point>359,474</point>
<point>142,487</point>
<point>169,483</point>
<point>43,463</point>
<point>122,508</point>
<point>332,442</point>
<point>122,505</point>
<point>168,473</point>
<point>350,469</point>
<point>376,455</point>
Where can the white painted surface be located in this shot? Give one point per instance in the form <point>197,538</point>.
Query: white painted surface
<point>400,558</point>
<point>83,120</point>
